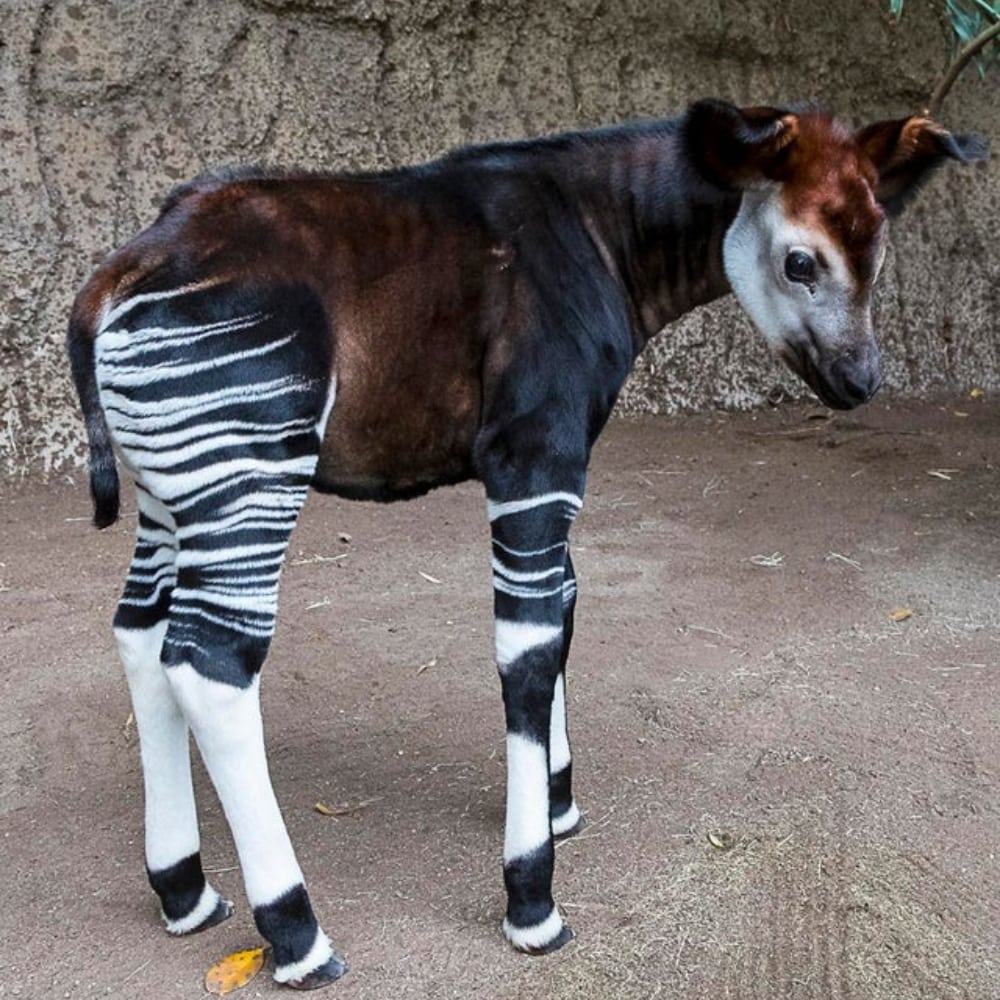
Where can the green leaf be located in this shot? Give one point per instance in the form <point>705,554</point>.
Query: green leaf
<point>990,9</point>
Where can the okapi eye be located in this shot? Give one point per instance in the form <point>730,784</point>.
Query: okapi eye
<point>800,267</point>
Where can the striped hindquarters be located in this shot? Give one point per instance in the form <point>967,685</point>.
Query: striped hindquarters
<point>216,399</point>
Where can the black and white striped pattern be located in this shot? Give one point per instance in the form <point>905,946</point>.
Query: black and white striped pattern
<point>205,397</point>
<point>217,422</point>
<point>534,594</point>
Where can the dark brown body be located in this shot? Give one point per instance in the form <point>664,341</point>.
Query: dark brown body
<point>408,354</point>
<point>432,278</point>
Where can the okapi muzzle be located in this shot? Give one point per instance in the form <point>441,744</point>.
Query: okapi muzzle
<point>842,379</point>
<point>806,294</point>
<point>379,335</point>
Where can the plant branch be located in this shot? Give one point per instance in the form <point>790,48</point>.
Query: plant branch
<point>961,61</point>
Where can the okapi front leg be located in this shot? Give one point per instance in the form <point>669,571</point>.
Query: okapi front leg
<point>173,859</point>
<point>566,817</point>
<point>529,553</point>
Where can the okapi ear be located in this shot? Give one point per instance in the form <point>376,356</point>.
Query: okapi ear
<point>905,153</point>
<point>739,147</point>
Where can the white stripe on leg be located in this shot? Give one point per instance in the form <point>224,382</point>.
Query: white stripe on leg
<point>496,509</point>
<point>559,752</point>
<point>206,906</point>
<point>318,954</point>
<point>528,825</point>
<point>513,639</point>
<point>171,817</point>
<point>227,725</point>
<point>569,819</point>
<point>534,938</point>
<point>560,756</point>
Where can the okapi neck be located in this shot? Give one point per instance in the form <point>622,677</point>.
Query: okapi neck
<point>660,225</point>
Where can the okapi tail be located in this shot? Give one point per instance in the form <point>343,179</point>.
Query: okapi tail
<point>103,473</point>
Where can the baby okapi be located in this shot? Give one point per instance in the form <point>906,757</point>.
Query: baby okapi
<point>378,335</point>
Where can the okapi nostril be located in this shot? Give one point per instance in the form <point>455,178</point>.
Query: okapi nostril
<point>858,391</point>
<point>855,388</point>
<point>853,380</point>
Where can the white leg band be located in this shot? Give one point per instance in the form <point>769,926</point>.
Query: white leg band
<point>206,907</point>
<point>318,955</point>
<point>533,938</point>
<point>527,827</point>
<point>566,822</point>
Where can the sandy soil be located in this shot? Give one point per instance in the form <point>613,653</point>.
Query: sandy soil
<point>735,672</point>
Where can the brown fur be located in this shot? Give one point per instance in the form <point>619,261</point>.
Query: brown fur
<point>829,185</point>
<point>409,351</point>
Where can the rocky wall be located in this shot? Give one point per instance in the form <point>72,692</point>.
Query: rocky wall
<point>106,104</point>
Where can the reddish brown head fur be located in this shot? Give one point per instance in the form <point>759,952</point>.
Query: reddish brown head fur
<point>828,184</point>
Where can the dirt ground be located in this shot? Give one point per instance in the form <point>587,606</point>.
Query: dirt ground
<point>735,673</point>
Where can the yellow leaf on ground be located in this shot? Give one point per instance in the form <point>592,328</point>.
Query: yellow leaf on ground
<point>721,840</point>
<point>345,809</point>
<point>234,971</point>
<point>976,393</point>
<point>900,614</point>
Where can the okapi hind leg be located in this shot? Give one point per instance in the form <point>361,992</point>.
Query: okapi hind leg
<point>172,845</point>
<point>219,395</point>
<point>222,618</point>
<point>227,724</point>
<point>567,819</point>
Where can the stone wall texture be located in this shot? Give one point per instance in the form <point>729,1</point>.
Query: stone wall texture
<point>106,104</point>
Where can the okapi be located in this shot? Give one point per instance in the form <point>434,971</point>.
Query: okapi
<point>377,335</point>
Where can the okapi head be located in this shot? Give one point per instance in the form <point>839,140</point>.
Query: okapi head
<point>808,240</point>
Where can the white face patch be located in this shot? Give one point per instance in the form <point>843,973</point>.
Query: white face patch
<point>754,253</point>
<point>880,260</point>
<point>816,325</point>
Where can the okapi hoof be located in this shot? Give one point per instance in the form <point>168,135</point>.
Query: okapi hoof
<point>191,924</point>
<point>573,829</point>
<point>223,911</point>
<point>541,939</point>
<point>563,937</point>
<point>329,972</point>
